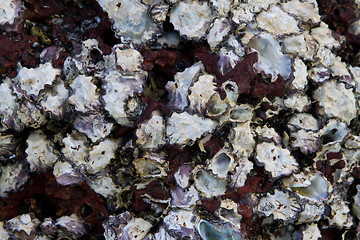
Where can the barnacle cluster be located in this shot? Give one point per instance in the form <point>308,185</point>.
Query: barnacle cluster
<point>171,119</point>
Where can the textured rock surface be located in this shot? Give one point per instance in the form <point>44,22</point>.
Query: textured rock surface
<point>169,119</point>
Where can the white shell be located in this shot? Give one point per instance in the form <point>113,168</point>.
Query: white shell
<point>178,90</point>
<point>84,96</point>
<point>118,89</point>
<point>183,128</point>
<point>10,10</point>
<point>276,160</point>
<point>323,36</point>
<point>103,185</point>
<point>75,148</point>
<point>26,222</point>
<point>222,163</point>
<point>218,32</point>
<point>33,80</point>
<point>100,155</point>
<point>7,105</point>
<point>55,100</point>
<point>129,60</point>
<point>130,20</point>
<point>298,102</point>
<point>239,176</point>
<point>312,232</point>
<point>303,10</point>
<point>180,223</point>
<point>191,18</point>
<point>40,152</point>
<point>208,185</point>
<point>336,101</point>
<point>309,185</point>
<point>242,139</point>
<point>94,126</point>
<point>300,75</point>
<point>280,204</point>
<point>312,212</point>
<point>4,234</point>
<point>12,178</point>
<point>125,226</point>
<point>340,216</point>
<point>72,225</point>
<point>303,121</point>
<point>65,174</point>
<point>271,59</point>
<point>201,92</point>
<point>151,133</point>
<point>276,21</point>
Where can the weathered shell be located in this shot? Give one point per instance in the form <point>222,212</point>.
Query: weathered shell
<point>306,11</point>
<point>32,81</point>
<point>280,204</point>
<point>12,178</point>
<point>276,21</point>
<point>191,18</point>
<point>130,20</point>
<point>342,106</point>
<point>151,133</point>
<point>183,128</point>
<point>239,176</point>
<point>55,101</point>
<point>208,184</point>
<point>24,226</point>
<point>75,148</point>
<point>10,10</point>
<point>71,225</point>
<point>125,226</point>
<point>180,223</point>
<point>271,59</point>
<point>40,152</point>
<point>94,126</point>
<point>7,106</point>
<point>208,230</point>
<point>201,92</point>
<point>65,174</point>
<point>178,90</point>
<point>242,139</point>
<point>184,198</point>
<point>84,96</point>
<point>276,160</point>
<point>310,185</point>
<point>218,32</point>
<point>118,89</point>
<point>222,163</point>
<point>48,227</point>
<point>103,185</point>
<point>100,155</point>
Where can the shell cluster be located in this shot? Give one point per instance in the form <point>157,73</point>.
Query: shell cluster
<point>169,119</point>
